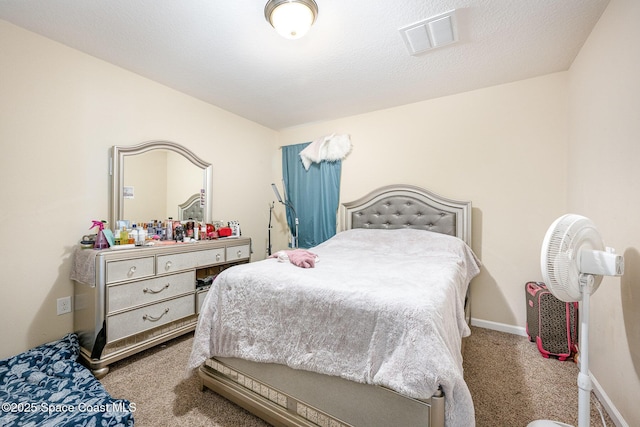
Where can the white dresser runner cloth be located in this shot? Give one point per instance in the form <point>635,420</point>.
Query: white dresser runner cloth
<point>83,267</point>
<point>384,307</point>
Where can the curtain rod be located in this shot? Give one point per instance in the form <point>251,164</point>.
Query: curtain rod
<point>298,143</point>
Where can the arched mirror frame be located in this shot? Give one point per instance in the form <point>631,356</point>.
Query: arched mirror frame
<point>116,166</point>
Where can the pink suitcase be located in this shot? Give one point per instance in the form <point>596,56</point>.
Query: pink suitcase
<point>552,324</point>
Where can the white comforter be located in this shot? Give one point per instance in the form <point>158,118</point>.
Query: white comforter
<point>380,307</point>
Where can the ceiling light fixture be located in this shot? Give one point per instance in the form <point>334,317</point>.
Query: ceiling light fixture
<point>291,18</point>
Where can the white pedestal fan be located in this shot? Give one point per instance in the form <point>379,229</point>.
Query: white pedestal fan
<point>573,260</point>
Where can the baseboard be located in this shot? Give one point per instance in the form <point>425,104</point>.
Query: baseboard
<point>501,327</point>
<point>616,417</point>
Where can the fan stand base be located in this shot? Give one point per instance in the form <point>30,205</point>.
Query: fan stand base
<point>547,423</point>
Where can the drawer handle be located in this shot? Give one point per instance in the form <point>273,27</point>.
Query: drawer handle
<point>132,271</point>
<point>239,253</point>
<point>217,257</point>
<point>167,266</point>
<point>153,291</point>
<point>155,319</point>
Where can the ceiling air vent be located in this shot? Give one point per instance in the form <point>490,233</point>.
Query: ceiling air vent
<point>430,33</point>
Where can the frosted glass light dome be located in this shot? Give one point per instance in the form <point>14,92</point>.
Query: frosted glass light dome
<point>291,19</point>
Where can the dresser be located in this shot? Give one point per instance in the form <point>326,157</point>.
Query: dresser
<point>127,300</point>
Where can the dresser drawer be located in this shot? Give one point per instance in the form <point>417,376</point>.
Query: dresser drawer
<point>185,261</point>
<point>132,322</point>
<point>200,296</point>
<point>129,269</point>
<point>148,291</point>
<point>236,253</point>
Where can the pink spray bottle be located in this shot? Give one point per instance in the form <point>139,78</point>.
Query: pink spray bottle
<point>101,240</point>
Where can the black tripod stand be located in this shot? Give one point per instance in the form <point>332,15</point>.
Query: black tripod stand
<point>269,229</point>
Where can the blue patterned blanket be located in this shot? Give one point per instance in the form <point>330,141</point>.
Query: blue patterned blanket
<point>46,386</point>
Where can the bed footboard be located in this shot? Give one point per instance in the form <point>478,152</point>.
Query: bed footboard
<point>281,398</point>
<point>257,403</point>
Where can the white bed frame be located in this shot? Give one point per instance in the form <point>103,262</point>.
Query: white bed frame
<point>286,397</point>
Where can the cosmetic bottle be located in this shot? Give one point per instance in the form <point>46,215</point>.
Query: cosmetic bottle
<point>143,233</point>
<point>138,236</point>
<point>189,228</point>
<point>178,233</point>
<point>124,236</point>
<point>169,229</point>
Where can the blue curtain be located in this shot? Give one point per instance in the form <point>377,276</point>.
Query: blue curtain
<point>314,194</point>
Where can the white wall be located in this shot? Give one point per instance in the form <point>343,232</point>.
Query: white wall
<point>604,184</point>
<point>60,112</point>
<point>504,148</point>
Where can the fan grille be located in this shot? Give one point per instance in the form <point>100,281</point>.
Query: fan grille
<point>566,237</point>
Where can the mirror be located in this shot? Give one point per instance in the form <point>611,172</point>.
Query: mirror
<point>158,180</point>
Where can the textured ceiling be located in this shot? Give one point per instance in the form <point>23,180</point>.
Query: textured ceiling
<point>352,61</point>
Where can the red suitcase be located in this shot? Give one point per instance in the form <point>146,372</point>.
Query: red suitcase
<point>551,323</point>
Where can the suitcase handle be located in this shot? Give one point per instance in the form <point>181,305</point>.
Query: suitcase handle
<point>534,287</point>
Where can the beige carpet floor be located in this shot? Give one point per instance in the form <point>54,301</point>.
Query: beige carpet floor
<point>510,382</point>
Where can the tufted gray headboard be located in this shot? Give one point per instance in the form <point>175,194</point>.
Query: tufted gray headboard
<point>407,206</point>
<point>191,209</point>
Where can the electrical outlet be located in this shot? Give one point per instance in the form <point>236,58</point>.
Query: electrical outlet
<point>64,305</point>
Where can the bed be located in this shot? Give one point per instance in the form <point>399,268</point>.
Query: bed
<point>371,336</point>
<point>46,386</point>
